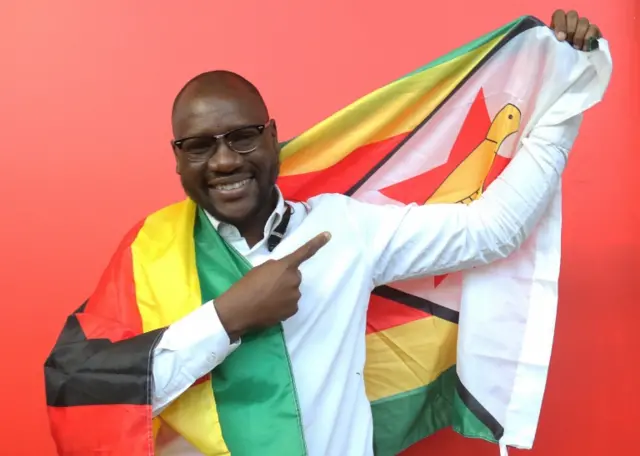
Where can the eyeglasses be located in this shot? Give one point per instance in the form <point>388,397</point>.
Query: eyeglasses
<point>241,140</point>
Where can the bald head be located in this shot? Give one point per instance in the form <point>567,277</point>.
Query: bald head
<point>218,84</point>
<point>213,115</point>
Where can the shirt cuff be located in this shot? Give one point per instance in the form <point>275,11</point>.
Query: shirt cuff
<point>199,340</point>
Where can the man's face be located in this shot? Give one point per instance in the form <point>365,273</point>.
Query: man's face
<point>232,187</point>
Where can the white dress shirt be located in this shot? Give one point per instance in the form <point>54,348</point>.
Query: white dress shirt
<point>371,245</point>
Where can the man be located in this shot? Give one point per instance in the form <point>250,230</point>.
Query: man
<point>227,156</point>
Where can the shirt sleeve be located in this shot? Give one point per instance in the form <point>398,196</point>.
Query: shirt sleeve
<point>189,349</point>
<point>422,240</point>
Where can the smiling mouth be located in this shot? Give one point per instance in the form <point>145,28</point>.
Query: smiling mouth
<point>231,186</point>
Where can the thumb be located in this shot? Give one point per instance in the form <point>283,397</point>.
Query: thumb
<point>306,251</point>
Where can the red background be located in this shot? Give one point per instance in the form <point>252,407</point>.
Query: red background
<point>85,94</point>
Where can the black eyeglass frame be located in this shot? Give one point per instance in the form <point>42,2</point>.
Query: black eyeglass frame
<point>177,143</point>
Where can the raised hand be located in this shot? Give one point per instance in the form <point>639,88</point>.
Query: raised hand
<point>576,30</point>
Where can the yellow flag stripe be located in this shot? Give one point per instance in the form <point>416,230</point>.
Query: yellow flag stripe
<point>409,356</point>
<point>164,267</point>
<point>191,416</point>
<point>167,289</point>
<point>398,109</point>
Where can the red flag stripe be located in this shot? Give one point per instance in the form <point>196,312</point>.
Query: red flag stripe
<point>115,295</point>
<point>384,313</point>
<point>110,430</point>
<point>340,177</point>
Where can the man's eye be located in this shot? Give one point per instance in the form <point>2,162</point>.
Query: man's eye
<point>198,145</point>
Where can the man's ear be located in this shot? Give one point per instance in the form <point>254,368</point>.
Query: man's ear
<point>175,155</point>
<point>274,136</point>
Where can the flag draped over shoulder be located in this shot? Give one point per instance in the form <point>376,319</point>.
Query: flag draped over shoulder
<point>468,350</point>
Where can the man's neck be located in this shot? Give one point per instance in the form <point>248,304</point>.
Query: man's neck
<point>253,230</point>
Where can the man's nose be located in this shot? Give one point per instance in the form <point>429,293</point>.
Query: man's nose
<point>224,159</point>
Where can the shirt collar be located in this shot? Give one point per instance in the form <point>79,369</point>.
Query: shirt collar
<point>272,221</point>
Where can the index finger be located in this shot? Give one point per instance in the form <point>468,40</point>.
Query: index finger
<point>559,24</point>
<point>309,249</point>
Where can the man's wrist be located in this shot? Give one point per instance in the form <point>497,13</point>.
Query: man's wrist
<point>230,319</point>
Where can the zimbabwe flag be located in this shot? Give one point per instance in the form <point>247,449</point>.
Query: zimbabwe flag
<point>469,350</point>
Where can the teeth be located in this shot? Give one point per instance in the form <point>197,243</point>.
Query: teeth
<point>233,186</point>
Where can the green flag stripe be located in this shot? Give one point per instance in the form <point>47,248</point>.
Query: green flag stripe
<point>475,44</point>
<point>404,419</point>
<point>471,419</point>
<point>400,421</point>
<point>254,387</point>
